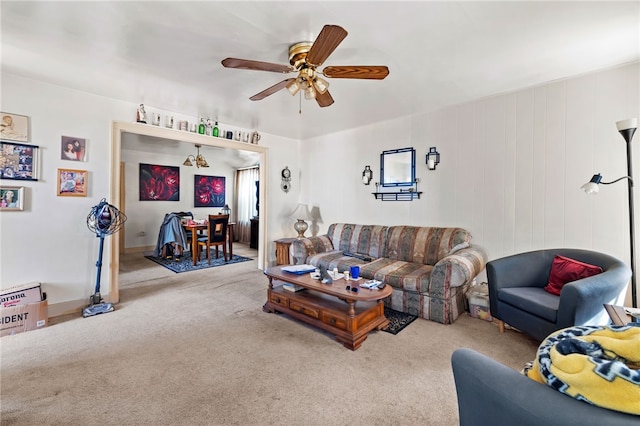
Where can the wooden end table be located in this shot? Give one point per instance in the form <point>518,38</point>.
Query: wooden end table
<point>282,250</point>
<point>618,315</point>
<point>348,315</point>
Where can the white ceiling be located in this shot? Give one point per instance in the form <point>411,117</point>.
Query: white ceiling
<point>167,54</point>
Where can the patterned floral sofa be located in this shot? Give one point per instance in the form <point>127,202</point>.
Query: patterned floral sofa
<point>430,269</point>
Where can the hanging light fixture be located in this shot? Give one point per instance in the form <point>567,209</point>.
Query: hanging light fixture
<point>198,159</point>
<point>310,93</point>
<point>309,82</point>
<point>320,84</point>
<point>293,87</point>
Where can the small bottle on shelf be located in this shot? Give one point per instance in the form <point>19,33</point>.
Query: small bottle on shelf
<point>215,131</point>
<point>201,126</point>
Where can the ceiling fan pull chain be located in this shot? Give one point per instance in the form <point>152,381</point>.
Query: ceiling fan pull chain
<point>300,101</point>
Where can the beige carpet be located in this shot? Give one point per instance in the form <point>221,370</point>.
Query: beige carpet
<point>197,349</point>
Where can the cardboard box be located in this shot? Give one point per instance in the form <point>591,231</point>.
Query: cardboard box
<point>21,295</point>
<point>18,319</point>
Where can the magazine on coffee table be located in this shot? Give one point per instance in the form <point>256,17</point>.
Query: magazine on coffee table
<point>298,269</point>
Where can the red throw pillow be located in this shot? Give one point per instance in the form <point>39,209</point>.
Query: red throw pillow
<point>565,270</point>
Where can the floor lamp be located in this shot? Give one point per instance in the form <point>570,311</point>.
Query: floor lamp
<point>626,128</point>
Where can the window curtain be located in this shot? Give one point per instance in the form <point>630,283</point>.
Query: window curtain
<point>247,198</point>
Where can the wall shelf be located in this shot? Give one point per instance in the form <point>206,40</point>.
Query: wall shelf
<point>397,196</point>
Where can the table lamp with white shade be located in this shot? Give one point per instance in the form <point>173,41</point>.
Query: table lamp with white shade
<point>301,214</point>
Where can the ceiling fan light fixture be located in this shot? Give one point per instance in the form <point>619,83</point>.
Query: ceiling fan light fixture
<point>293,87</point>
<point>188,162</point>
<point>321,85</point>
<point>310,93</point>
<point>304,58</point>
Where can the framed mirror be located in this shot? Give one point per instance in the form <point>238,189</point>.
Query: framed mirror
<point>398,167</point>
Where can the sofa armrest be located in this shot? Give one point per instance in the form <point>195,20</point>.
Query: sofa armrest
<point>457,269</point>
<point>303,248</point>
<point>490,393</point>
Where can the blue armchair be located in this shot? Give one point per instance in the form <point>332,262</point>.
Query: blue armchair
<point>490,393</point>
<point>517,296</point>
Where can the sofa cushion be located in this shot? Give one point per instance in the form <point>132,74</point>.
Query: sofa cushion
<point>565,270</point>
<point>424,245</point>
<point>335,259</point>
<point>407,276</point>
<point>534,300</point>
<point>359,239</point>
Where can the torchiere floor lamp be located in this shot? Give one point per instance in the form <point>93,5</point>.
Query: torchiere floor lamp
<point>626,128</point>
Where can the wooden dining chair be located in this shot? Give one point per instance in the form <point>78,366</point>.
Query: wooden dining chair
<point>216,235</point>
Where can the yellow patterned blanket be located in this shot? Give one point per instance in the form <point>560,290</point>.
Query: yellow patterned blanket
<point>596,364</point>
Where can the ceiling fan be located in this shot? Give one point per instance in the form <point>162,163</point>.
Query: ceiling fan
<point>305,57</point>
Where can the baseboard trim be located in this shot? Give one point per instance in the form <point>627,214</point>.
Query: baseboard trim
<point>67,308</point>
<point>71,307</point>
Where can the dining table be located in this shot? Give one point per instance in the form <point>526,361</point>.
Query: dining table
<point>195,228</point>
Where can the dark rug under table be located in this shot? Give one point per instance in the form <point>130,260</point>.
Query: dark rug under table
<point>185,262</point>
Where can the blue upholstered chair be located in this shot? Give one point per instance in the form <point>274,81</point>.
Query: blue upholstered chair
<point>517,296</point>
<point>490,393</point>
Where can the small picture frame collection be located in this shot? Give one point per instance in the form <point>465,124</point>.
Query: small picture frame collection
<point>19,161</point>
<point>11,198</point>
<point>73,149</point>
<point>72,183</point>
<point>14,127</point>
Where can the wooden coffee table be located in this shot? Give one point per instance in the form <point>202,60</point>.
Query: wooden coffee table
<point>348,315</point>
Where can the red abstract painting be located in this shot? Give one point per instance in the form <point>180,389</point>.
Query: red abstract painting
<point>209,191</point>
<point>159,183</point>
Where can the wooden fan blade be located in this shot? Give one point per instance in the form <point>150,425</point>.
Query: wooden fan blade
<point>354,71</point>
<point>328,39</point>
<point>271,90</point>
<point>255,65</point>
<point>324,99</point>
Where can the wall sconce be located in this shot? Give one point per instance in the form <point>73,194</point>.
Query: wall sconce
<point>198,159</point>
<point>367,175</point>
<point>433,158</point>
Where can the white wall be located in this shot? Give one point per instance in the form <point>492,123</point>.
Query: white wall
<point>511,167</point>
<point>147,216</point>
<point>511,170</point>
<point>49,241</point>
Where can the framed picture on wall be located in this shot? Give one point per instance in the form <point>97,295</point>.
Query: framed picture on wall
<point>209,191</point>
<point>72,183</point>
<point>159,183</point>
<point>18,161</point>
<point>14,127</point>
<point>73,149</point>
<point>11,198</point>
